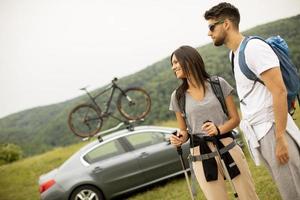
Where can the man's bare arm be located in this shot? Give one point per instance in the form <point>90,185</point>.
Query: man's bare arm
<point>274,82</point>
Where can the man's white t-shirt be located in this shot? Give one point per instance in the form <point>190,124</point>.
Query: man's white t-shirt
<point>259,57</point>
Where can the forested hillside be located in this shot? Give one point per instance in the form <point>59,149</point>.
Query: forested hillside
<point>42,128</point>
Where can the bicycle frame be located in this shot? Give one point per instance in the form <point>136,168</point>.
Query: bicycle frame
<point>86,119</point>
<point>113,86</point>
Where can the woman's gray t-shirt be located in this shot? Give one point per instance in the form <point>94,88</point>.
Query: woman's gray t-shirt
<point>199,111</point>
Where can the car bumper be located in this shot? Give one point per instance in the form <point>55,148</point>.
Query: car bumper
<point>54,193</point>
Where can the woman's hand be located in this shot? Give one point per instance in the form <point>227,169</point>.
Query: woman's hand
<point>180,138</point>
<point>210,128</point>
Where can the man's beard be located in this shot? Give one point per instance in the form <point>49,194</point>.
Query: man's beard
<point>219,42</point>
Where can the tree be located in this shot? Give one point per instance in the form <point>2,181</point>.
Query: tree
<point>9,153</point>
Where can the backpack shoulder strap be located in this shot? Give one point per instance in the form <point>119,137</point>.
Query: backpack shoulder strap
<point>181,103</point>
<point>217,89</point>
<point>242,61</point>
<point>232,62</point>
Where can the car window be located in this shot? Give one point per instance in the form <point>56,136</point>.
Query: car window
<point>141,140</point>
<point>104,151</point>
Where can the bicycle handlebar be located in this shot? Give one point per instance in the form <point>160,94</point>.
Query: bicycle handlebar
<point>113,82</point>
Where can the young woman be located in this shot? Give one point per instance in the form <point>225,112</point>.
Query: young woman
<point>205,119</point>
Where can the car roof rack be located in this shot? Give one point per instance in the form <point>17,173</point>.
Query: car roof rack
<point>129,125</point>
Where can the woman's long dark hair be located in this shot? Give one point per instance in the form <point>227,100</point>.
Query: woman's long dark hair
<point>192,64</point>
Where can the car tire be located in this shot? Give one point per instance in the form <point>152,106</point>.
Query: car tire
<point>87,191</point>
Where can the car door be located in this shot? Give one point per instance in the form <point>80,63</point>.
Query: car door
<point>113,167</point>
<point>156,157</point>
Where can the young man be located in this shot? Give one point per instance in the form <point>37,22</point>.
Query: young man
<point>270,132</point>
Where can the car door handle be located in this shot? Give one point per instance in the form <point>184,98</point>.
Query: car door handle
<point>144,155</point>
<point>97,170</point>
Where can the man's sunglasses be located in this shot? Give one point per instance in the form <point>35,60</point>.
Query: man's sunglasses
<point>212,26</point>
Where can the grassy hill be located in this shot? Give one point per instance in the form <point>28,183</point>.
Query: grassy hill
<point>40,129</point>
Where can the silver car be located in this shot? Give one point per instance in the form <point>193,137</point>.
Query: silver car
<point>124,161</point>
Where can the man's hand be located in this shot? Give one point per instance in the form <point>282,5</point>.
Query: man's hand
<point>282,153</point>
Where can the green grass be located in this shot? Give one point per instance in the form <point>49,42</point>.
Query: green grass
<point>19,180</point>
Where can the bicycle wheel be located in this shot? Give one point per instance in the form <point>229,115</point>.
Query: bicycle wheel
<point>134,103</point>
<point>85,121</point>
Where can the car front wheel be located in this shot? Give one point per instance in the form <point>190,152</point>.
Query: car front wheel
<point>86,192</point>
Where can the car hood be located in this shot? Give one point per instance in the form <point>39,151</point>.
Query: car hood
<point>48,176</point>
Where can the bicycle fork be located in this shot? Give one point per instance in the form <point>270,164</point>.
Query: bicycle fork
<point>127,97</point>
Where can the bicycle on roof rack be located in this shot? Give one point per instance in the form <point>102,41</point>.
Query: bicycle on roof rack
<point>85,120</point>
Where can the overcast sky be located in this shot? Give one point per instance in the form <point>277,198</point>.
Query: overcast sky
<point>51,48</point>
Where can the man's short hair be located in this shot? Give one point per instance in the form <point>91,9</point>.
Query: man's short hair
<point>224,11</point>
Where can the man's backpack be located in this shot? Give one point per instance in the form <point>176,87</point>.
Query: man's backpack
<point>216,87</point>
<point>289,71</point>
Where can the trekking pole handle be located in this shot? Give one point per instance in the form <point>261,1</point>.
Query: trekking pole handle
<point>178,148</point>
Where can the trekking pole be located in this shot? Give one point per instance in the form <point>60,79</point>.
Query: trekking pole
<point>179,151</point>
<point>225,169</point>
